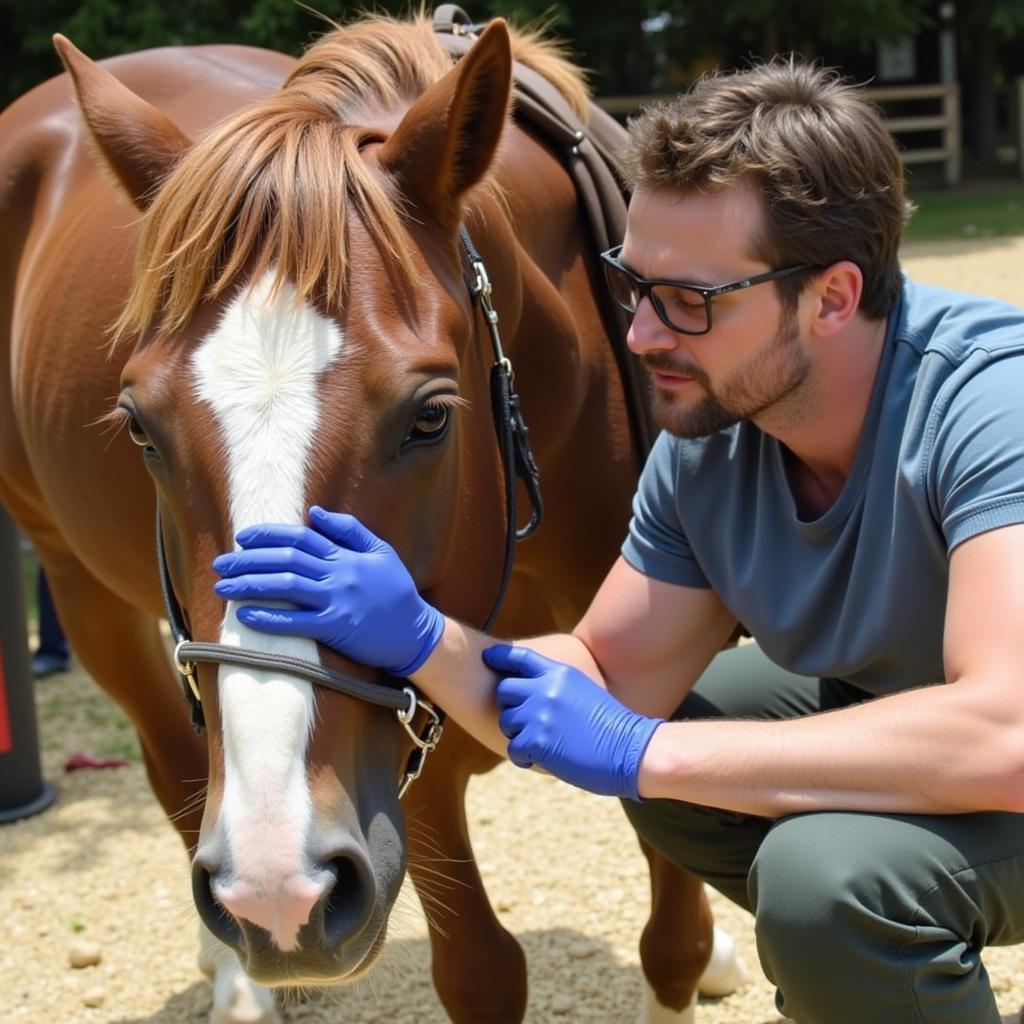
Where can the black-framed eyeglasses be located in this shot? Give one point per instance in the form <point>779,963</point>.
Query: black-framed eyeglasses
<point>680,305</point>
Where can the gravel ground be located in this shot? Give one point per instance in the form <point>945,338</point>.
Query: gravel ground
<point>103,868</point>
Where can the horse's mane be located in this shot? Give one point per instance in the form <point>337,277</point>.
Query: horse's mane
<point>242,197</point>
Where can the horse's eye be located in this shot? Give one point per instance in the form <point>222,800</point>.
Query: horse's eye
<point>431,423</point>
<point>136,433</point>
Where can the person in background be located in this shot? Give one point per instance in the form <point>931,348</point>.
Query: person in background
<point>52,656</point>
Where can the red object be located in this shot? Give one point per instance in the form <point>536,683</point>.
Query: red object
<point>5,721</point>
<point>82,760</point>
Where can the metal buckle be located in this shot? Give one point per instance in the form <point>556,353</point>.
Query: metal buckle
<point>482,291</point>
<point>482,285</point>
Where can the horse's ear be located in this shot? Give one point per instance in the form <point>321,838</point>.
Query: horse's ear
<point>139,143</point>
<point>445,143</point>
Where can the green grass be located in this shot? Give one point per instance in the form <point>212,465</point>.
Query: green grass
<point>74,714</point>
<point>974,211</point>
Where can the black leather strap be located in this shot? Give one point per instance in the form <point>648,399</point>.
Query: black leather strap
<point>589,151</point>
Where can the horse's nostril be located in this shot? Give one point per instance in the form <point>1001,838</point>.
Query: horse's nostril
<point>349,902</point>
<point>211,913</point>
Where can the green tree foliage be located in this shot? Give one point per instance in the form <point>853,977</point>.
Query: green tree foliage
<point>630,47</point>
<point>984,27</point>
<point>623,43</point>
<point>103,28</point>
<point>771,26</point>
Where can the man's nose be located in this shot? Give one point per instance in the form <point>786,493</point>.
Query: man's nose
<point>647,333</point>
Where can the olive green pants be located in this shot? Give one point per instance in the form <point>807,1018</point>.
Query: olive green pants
<point>859,918</point>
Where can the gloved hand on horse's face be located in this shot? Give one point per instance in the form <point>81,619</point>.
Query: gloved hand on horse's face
<point>561,720</point>
<point>351,590</point>
<point>353,594</point>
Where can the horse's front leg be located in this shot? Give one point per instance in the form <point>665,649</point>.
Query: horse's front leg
<point>479,969</point>
<point>682,953</point>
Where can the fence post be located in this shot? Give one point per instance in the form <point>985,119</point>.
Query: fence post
<point>22,789</point>
<point>1019,110</point>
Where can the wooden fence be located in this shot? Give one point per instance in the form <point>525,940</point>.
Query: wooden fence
<point>946,121</point>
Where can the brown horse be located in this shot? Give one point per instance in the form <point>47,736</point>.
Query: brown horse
<point>291,325</point>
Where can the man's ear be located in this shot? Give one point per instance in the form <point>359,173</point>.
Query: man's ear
<point>838,291</point>
<point>137,142</point>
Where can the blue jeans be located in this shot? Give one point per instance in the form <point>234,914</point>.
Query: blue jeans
<point>51,637</point>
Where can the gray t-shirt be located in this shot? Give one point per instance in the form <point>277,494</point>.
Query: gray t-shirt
<point>860,593</point>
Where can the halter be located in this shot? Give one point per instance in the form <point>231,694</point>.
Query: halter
<point>517,462</point>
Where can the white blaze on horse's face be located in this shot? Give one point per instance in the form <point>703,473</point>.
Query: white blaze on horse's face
<point>258,371</point>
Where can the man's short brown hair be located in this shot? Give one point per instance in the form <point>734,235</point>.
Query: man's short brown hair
<point>827,168</point>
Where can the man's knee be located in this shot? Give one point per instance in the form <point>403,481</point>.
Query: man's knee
<point>828,878</point>
<point>869,917</point>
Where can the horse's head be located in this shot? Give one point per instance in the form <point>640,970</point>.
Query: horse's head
<point>305,334</point>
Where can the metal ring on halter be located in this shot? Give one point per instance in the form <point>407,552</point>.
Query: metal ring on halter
<point>432,733</point>
<point>187,670</point>
<point>405,715</point>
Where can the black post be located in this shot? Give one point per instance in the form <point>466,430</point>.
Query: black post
<point>22,789</point>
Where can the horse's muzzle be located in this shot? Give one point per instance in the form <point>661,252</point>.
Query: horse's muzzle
<point>316,928</point>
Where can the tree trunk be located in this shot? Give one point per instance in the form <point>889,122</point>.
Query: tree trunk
<point>981,130</point>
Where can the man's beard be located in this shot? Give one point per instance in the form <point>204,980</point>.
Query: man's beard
<point>771,376</point>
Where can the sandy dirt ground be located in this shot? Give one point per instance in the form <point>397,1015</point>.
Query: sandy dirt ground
<point>102,866</point>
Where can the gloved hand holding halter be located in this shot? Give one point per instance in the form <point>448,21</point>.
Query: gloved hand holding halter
<point>352,591</point>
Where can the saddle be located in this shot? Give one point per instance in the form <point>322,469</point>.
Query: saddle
<point>589,152</point>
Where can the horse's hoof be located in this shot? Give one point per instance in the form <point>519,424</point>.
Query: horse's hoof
<point>655,1013</point>
<point>726,970</point>
<point>222,1015</point>
<point>239,1000</point>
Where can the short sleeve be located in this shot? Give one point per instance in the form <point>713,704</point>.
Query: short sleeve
<point>656,544</point>
<point>976,471</point>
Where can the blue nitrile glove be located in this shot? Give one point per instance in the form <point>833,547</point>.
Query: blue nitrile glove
<point>352,591</point>
<point>559,719</point>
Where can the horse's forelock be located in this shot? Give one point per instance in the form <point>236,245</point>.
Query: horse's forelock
<point>240,199</point>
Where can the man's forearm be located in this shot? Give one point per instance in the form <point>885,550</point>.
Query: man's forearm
<point>456,679</point>
<point>936,750</point>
